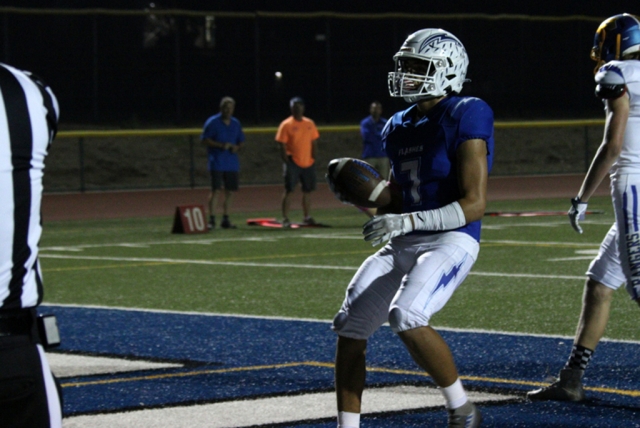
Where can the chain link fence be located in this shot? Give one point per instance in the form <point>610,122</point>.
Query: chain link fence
<point>108,160</point>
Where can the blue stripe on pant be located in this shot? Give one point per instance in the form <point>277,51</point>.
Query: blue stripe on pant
<point>635,208</point>
<point>632,242</point>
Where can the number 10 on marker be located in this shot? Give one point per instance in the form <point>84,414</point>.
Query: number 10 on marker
<point>189,219</point>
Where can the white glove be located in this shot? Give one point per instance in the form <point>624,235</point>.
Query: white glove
<point>336,193</point>
<point>384,227</point>
<point>577,213</point>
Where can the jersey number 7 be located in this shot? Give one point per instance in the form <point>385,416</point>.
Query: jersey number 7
<point>412,167</point>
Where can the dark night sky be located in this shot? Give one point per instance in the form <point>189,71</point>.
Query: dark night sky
<point>548,7</point>
<point>510,58</point>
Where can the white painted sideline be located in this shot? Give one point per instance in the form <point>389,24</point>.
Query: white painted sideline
<point>315,320</point>
<point>69,365</point>
<point>282,265</point>
<point>272,410</point>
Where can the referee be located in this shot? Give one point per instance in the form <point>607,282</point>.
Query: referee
<point>29,396</point>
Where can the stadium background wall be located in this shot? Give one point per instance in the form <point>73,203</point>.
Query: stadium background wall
<point>162,158</point>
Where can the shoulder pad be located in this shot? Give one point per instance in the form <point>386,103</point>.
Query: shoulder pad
<point>611,73</point>
<point>610,92</point>
<point>464,104</point>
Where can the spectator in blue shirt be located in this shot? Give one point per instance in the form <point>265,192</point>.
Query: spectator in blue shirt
<point>372,150</point>
<point>223,136</point>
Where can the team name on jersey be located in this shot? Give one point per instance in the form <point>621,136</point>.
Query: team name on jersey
<point>408,150</point>
<point>633,247</point>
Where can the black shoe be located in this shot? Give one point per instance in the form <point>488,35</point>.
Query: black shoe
<point>567,388</point>
<point>467,416</point>
<point>309,221</point>
<point>226,224</point>
<point>211,225</point>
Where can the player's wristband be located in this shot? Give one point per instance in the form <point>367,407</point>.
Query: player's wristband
<point>448,217</point>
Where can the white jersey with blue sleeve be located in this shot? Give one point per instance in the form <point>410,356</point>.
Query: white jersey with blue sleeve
<point>423,152</point>
<point>624,74</point>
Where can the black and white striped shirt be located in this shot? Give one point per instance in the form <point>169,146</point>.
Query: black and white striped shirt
<point>28,120</point>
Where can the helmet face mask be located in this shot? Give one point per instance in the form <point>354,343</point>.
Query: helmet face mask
<point>431,63</point>
<point>415,77</point>
<point>616,37</point>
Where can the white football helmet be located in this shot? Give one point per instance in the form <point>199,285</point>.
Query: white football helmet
<point>431,63</point>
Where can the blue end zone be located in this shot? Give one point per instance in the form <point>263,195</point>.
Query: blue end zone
<point>231,358</point>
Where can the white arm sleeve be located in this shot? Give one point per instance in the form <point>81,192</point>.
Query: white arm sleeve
<point>448,217</point>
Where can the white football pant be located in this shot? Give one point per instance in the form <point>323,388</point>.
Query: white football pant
<point>406,282</point>
<point>618,261</point>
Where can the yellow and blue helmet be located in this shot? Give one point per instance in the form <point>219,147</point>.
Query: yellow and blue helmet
<point>616,37</point>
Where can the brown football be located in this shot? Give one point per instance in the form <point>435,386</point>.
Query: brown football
<point>359,183</point>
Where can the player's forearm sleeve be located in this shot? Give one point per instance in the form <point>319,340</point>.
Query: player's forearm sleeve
<point>448,217</point>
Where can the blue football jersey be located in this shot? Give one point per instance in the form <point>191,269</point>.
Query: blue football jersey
<point>423,153</point>
<point>217,130</point>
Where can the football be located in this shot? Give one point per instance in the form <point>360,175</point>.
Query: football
<point>359,183</point>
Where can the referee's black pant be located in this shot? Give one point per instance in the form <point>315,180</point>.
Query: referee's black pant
<point>29,396</point>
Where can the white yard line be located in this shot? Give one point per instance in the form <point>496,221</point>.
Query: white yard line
<point>593,252</point>
<point>279,265</point>
<point>196,241</point>
<point>565,223</point>
<point>273,410</point>
<point>275,238</point>
<point>528,275</point>
<point>355,237</point>
<point>196,262</point>
<point>210,241</point>
<point>534,224</point>
<point>540,243</point>
<point>69,365</point>
<point>570,259</point>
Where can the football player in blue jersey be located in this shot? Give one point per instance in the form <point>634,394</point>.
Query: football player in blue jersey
<point>616,49</point>
<point>441,151</point>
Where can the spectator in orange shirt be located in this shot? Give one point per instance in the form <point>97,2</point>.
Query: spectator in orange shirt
<point>298,137</point>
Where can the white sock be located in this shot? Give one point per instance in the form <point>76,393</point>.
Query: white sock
<point>348,420</point>
<point>454,395</point>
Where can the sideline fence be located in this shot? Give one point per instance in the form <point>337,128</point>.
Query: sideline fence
<point>86,160</point>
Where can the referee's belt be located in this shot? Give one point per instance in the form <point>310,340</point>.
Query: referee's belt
<point>16,323</point>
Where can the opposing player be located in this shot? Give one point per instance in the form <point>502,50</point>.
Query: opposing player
<point>617,46</point>
<point>441,150</point>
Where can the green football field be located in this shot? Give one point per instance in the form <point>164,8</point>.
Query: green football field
<point>528,278</point>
